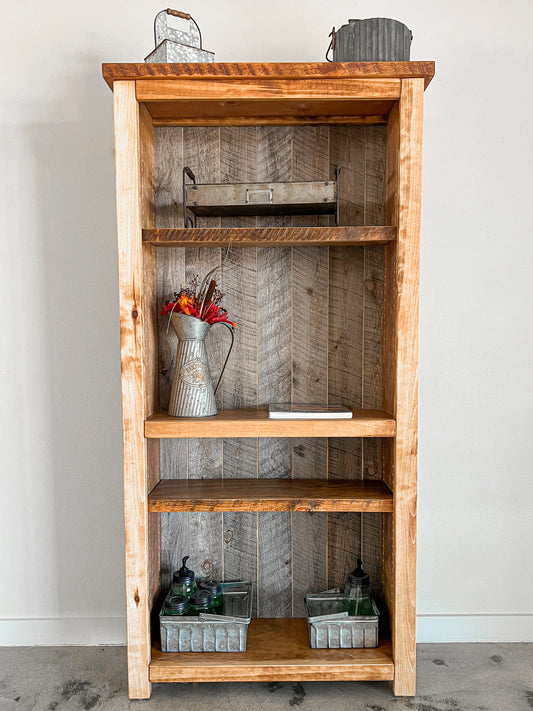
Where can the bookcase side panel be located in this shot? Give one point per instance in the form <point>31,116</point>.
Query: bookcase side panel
<point>133,150</point>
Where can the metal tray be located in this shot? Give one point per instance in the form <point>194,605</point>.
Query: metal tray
<point>331,628</point>
<point>238,199</point>
<point>211,633</point>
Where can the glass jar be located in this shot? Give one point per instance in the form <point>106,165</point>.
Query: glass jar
<point>183,582</point>
<point>357,596</point>
<point>215,589</point>
<point>201,601</point>
<point>176,605</point>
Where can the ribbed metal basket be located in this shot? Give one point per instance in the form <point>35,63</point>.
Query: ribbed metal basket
<point>377,39</point>
<point>330,627</point>
<point>211,633</point>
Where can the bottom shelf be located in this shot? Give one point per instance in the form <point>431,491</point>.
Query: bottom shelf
<point>277,650</point>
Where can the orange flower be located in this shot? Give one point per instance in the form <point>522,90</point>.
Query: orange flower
<point>185,304</point>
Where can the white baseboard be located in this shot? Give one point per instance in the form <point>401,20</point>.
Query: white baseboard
<point>62,631</point>
<point>112,630</point>
<point>474,628</point>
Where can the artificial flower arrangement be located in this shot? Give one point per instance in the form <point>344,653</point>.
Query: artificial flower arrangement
<point>200,301</point>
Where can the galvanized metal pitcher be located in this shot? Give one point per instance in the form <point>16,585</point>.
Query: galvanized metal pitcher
<point>192,393</point>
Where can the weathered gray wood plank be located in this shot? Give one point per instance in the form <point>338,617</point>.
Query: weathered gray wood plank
<point>372,310</point>
<point>201,152</point>
<point>274,162</point>
<point>346,271</point>
<point>170,274</point>
<point>238,163</point>
<point>309,368</point>
<point>174,526</point>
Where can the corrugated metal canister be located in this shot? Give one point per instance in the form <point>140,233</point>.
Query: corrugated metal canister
<point>377,39</point>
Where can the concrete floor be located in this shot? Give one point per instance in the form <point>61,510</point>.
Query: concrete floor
<point>451,677</point>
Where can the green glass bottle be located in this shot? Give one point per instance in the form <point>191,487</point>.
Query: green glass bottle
<point>215,589</point>
<point>176,605</point>
<point>357,597</point>
<point>200,601</point>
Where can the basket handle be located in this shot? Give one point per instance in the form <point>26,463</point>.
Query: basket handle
<point>232,331</point>
<point>183,16</point>
<point>178,13</point>
<point>331,44</point>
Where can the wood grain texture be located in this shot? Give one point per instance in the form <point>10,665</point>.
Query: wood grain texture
<point>345,358</point>
<point>175,525</point>
<point>277,650</point>
<point>150,350</point>
<point>294,70</point>
<point>310,161</point>
<point>299,236</point>
<point>274,319</point>
<point>201,152</point>
<point>364,113</point>
<point>406,399</point>
<point>136,383</point>
<point>255,423</point>
<point>268,112</point>
<point>238,163</point>
<point>374,205</point>
<point>277,90</point>
<point>388,347</point>
<point>270,495</point>
<point>171,274</point>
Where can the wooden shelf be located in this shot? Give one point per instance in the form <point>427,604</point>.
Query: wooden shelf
<point>240,71</point>
<point>269,236</point>
<point>277,650</point>
<point>256,423</point>
<point>270,495</point>
<point>268,94</point>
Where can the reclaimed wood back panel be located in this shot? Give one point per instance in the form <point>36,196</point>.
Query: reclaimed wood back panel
<point>309,330</point>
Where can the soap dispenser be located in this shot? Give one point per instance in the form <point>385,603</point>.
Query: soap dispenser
<point>183,582</point>
<point>357,597</point>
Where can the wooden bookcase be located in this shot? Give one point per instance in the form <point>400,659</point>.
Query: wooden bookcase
<point>334,315</point>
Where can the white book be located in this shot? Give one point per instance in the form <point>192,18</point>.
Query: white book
<point>309,412</point>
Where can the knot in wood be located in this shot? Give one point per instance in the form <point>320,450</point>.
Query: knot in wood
<point>369,283</point>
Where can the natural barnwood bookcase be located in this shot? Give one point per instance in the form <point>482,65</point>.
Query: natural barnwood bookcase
<point>324,312</point>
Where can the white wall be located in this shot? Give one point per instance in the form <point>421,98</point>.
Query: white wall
<point>61,540</point>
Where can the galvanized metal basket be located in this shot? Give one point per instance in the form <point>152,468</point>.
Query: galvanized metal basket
<point>330,627</point>
<point>211,633</point>
<point>173,45</point>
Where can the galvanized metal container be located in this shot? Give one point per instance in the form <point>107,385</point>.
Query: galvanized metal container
<point>231,199</point>
<point>329,627</point>
<point>173,45</point>
<point>377,39</point>
<point>192,393</point>
<point>211,633</point>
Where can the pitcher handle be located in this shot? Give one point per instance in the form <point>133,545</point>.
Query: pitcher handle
<point>232,331</point>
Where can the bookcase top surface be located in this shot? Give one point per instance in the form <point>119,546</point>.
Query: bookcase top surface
<point>270,70</point>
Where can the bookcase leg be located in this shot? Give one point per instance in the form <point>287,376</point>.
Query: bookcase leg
<point>400,362</point>
<point>137,269</point>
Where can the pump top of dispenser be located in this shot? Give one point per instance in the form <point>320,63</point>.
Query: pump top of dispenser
<point>358,577</point>
<point>184,574</point>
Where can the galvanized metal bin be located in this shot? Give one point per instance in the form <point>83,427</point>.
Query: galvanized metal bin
<point>238,199</point>
<point>376,39</point>
<point>330,627</point>
<point>173,45</point>
<point>211,633</point>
